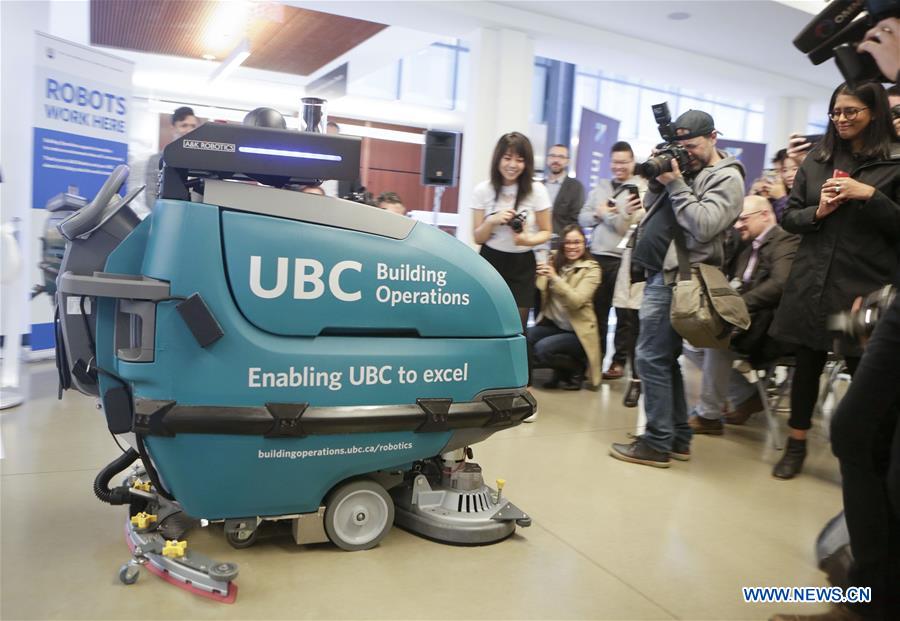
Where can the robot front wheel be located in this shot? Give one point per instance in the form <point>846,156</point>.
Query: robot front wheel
<point>358,515</point>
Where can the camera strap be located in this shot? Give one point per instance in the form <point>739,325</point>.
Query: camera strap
<point>684,263</point>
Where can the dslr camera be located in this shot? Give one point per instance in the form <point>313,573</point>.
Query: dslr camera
<point>860,323</point>
<point>517,224</point>
<point>666,151</point>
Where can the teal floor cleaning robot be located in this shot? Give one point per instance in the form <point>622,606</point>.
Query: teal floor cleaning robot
<point>274,355</point>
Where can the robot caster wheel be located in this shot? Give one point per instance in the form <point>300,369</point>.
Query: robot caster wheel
<point>129,573</point>
<point>226,572</point>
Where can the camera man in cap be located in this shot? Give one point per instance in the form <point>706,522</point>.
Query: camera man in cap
<point>704,199</point>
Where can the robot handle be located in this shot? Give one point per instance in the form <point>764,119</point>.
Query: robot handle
<point>86,218</point>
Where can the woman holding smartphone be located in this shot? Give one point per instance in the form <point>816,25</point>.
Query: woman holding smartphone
<point>845,204</point>
<point>564,336</point>
<point>511,215</point>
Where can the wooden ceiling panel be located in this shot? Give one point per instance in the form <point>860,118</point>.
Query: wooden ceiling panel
<point>282,38</point>
<point>155,26</point>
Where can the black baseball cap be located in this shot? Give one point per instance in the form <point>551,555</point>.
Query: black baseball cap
<point>696,122</point>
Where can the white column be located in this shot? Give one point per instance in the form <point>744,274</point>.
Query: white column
<point>18,23</point>
<point>784,116</point>
<point>500,77</point>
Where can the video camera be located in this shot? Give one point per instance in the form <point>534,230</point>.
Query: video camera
<point>838,29</point>
<point>860,323</point>
<point>661,162</point>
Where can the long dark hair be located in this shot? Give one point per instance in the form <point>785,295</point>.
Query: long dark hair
<point>521,146</point>
<point>876,137</point>
<point>559,260</point>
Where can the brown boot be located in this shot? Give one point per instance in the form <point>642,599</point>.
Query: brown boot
<point>744,411</point>
<point>837,613</point>
<point>614,372</point>
<point>708,426</point>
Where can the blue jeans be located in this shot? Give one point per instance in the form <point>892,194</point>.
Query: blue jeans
<point>720,382</point>
<point>657,354</point>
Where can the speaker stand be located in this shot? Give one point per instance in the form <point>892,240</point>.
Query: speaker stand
<point>436,205</point>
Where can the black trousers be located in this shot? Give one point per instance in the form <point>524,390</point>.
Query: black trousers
<point>626,323</point>
<point>631,319</point>
<point>805,384</point>
<point>866,440</point>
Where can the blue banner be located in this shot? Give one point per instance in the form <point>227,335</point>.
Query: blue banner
<point>597,135</point>
<point>81,99</point>
<point>63,160</point>
<point>751,154</point>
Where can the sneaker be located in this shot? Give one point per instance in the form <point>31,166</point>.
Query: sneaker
<point>681,452</point>
<point>639,453</point>
<point>614,372</point>
<point>744,411</point>
<point>633,395</point>
<point>708,426</point>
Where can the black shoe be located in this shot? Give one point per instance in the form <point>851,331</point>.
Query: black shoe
<point>572,383</point>
<point>639,453</point>
<point>553,384</point>
<point>791,463</point>
<point>633,394</point>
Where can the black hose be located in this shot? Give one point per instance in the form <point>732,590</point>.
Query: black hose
<point>151,471</point>
<point>120,495</point>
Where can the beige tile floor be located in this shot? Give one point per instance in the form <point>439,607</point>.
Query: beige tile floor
<point>610,540</point>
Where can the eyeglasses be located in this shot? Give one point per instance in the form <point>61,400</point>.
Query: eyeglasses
<point>849,113</point>
<point>746,216</point>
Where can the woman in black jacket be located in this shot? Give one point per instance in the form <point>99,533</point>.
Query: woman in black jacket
<point>845,203</point>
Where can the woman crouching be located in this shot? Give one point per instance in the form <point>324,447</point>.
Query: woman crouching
<point>564,337</point>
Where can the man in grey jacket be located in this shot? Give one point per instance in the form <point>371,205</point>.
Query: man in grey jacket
<point>704,205</point>
<point>609,211</point>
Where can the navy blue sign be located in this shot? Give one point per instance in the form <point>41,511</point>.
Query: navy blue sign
<point>596,137</point>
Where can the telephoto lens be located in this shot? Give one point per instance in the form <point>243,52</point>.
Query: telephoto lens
<point>655,166</point>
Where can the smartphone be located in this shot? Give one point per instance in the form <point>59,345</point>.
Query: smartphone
<point>626,187</point>
<point>813,138</point>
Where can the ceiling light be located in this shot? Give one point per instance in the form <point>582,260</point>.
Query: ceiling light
<point>228,24</point>
<point>235,59</point>
<point>209,57</point>
<point>679,16</point>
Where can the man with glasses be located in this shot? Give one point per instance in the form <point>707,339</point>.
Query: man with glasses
<point>566,193</point>
<point>760,271</point>
<point>610,212</point>
<point>703,206</point>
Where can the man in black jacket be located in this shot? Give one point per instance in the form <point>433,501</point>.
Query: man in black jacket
<point>566,193</point>
<point>761,268</point>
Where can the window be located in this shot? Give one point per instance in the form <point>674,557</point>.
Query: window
<point>380,84</point>
<point>629,101</point>
<point>427,77</point>
<point>437,76</point>
<point>539,94</point>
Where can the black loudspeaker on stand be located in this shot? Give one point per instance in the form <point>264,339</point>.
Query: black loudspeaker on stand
<point>440,164</point>
<point>440,158</point>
